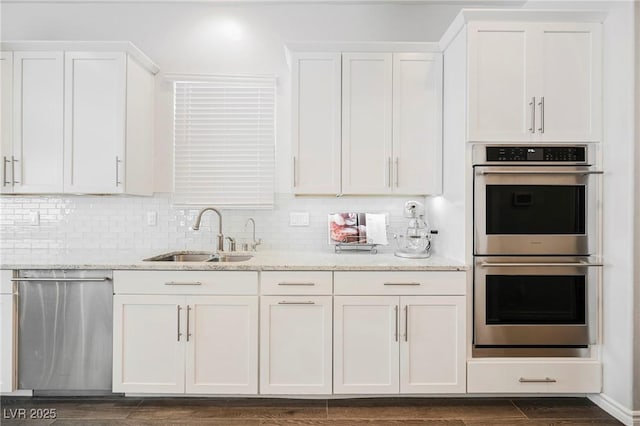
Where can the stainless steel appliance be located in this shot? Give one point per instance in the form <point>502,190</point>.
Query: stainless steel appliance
<point>534,200</point>
<point>535,277</point>
<point>544,304</point>
<point>65,331</point>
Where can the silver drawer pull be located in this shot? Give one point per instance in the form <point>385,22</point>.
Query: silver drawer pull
<point>545,380</point>
<point>183,283</point>
<point>286,283</point>
<point>65,280</point>
<point>401,283</point>
<point>284,302</point>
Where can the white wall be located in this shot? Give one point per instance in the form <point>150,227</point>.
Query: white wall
<point>192,38</point>
<point>636,373</point>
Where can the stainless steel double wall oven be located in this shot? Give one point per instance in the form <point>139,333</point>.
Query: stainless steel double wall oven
<point>535,226</point>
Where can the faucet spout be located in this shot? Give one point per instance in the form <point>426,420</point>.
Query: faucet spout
<point>255,243</point>
<point>196,226</point>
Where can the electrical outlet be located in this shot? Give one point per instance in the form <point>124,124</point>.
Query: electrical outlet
<point>152,218</point>
<point>298,218</point>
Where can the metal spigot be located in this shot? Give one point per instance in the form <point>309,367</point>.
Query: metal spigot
<point>196,226</point>
<point>254,243</point>
<point>232,244</point>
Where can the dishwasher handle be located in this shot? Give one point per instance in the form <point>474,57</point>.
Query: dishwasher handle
<point>66,280</point>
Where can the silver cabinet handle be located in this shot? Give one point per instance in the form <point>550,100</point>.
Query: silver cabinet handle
<point>118,161</point>
<point>5,182</point>
<point>521,264</point>
<point>389,171</point>
<point>406,323</point>
<point>66,280</point>
<point>287,283</point>
<point>401,283</point>
<point>179,334</point>
<point>532,106</point>
<point>397,331</point>
<point>545,380</point>
<point>397,171</point>
<point>541,105</point>
<point>183,283</point>
<point>295,182</point>
<point>540,172</point>
<point>13,170</point>
<point>188,312</point>
<point>285,302</point>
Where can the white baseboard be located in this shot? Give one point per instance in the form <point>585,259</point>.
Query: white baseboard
<point>617,410</point>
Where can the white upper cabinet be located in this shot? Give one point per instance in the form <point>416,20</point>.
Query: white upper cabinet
<point>531,81</point>
<point>95,93</point>
<point>417,123</point>
<point>38,84</point>
<point>367,123</point>
<point>316,123</point>
<point>82,121</point>
<point>6,122</point>
<point>570,84</point>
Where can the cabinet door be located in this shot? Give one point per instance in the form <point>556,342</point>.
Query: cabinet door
<point>316,123</point>
<point>366,349</point>
<point>432,344</point>
<point>148,343</point>
<point>6,93</point>
<point>222,344</point>
<point>38,121</point>
<point>7,343</point>
<point>94,122</point>
<point>295,345</point>
<point>366,123</point>
<point>417,123</point>
<point>570,82</point>
<point>500,88</point>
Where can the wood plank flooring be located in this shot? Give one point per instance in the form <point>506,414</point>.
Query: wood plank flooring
<point>306,412</point>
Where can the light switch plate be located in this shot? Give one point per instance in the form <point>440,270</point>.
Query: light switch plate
<point>298,218</point>
<point>152,218</point>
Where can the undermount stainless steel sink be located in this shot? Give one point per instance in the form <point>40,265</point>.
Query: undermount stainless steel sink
<point>193,256</point>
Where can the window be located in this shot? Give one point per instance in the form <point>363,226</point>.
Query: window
<point>224,141</point>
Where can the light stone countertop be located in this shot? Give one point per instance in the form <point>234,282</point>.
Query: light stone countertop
<point>262,261</point>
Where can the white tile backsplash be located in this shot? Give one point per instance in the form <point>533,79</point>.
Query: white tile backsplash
<point>120,222</point>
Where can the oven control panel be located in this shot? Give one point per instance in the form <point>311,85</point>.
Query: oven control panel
<point>575,154</point>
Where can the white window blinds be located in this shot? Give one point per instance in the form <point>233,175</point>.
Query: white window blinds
<point>224,142</point>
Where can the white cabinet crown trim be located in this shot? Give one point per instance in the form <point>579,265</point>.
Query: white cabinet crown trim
<point>83,46</point>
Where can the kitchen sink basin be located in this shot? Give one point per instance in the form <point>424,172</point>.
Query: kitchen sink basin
<point>193,256</point>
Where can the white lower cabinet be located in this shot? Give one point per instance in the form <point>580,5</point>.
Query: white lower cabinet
<point>406,344</point>
<point>388,341</point>
<point>295,344</point>
<point>177,343</point>
<point>7,331</point>
<point>534,376</point>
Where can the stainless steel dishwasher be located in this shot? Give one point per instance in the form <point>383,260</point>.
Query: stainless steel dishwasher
<point>65,328</point>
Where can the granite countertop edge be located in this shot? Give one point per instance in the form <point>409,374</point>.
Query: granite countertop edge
<point>262,261</point>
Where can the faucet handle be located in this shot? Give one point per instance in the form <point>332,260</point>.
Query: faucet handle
<point>232,244</point>
<point>255,244</point>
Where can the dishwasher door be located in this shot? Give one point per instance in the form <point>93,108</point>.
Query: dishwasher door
<point>65,328</point>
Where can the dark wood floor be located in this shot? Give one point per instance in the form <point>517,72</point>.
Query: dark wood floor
<point>255,412</point>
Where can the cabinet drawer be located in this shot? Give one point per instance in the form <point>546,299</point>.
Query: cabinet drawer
<point>185,282</point>
<point>486,376</point>
<point>405,282</point>
<point>296,282</point>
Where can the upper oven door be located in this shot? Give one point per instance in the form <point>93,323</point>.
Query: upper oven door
<point>534,210</point>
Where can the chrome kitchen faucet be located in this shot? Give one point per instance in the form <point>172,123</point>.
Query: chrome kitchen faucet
<point>196,226</point>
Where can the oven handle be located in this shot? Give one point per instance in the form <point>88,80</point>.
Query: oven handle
<point>540,172</point>
<point>521,264</point>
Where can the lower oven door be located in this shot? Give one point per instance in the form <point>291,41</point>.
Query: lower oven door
<point>534,301</point>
